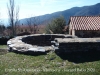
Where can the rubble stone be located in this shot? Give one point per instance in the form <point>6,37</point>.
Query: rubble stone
<point>31,42</point>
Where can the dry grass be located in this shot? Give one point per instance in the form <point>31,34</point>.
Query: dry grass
<point>51,64</point>
<point>3,49</point>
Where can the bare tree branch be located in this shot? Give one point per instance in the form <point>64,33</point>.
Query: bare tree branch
<point>13,15</point>
<point>33,24</point>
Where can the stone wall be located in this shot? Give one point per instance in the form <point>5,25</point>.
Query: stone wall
<point>41,40</point>
<point>51,42</point>
<point>34,43</point>
<point>87,33</point>
<point>76,46</point>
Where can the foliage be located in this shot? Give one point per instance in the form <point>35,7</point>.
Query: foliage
<point>3,40</point>
<point>2,28</point>
<point>33,24</point>
<point>56,26</point>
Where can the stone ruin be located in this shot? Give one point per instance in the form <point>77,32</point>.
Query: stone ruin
<point>52,42</point>
<point>36,42</point>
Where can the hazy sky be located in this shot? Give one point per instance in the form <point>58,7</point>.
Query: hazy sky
<point>40,7</point>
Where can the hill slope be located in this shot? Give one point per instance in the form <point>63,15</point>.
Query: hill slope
<point>75,11</point>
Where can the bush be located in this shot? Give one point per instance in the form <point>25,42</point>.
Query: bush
<point>24,33</point>
<point>56,26</point>
<point>3,40</point>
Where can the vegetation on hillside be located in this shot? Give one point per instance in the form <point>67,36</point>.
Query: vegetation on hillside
<point>56,26</point>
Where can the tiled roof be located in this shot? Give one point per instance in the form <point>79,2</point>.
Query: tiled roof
<point>85,22</point>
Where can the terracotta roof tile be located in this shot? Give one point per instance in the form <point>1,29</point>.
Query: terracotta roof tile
<point>85,22</point>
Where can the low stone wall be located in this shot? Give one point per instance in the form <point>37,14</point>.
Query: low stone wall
<point>35,43</point>
<point>41,40</point>
<point>51,42</point>
<point>78,44</point>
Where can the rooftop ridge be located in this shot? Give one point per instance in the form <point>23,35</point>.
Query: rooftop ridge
<point>85,22</point>
<point>87,16</point>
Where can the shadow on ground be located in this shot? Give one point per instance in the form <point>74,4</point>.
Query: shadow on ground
<point>76,57</point>
<point>30,53</point>
<point>79,57</point>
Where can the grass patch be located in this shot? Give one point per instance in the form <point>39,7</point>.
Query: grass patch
<point>51,64</point>
<point>3,46</point>
<point>3,49</point>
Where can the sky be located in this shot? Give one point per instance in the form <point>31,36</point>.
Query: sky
<point>28,8</point>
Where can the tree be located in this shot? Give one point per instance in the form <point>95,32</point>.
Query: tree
<point>30,25</point>
<point>33,24</point>
<point>13,14</point>
<point>56,26</point>
<point>2,28</point>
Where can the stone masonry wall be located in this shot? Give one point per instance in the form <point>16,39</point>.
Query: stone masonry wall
<point>76,46</point>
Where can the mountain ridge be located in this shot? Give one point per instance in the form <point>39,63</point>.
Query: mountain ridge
<point>92,10</point>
